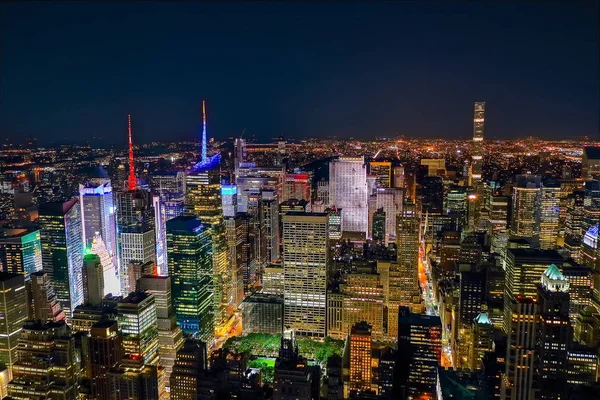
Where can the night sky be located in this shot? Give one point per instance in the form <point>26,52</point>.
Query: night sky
<point>71,71</point>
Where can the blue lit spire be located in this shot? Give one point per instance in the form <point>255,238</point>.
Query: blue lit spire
<point>204,157</point>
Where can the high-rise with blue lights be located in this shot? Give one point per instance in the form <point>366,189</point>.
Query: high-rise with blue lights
<point>189,245</point>
<point>62,251</point>
<point>98,213</point>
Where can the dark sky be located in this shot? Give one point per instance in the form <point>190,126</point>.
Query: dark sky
<point>70,71</point>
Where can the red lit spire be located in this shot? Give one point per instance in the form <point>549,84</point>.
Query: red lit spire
<point>131,165</point>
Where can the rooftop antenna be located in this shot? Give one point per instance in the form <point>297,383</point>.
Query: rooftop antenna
<point>204,158</point>
<point>131,166</point>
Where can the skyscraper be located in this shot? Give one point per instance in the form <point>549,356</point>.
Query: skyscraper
<point>270,219</point>
<point>42,303</point>
<point>383,172</point>
<point>518,380</point>
<point>378,229</point>
<point>190,367</point>
<point>305,257</point>
<point>403,274</point>
<point>189,247</point>
<point>554,336</point>
<point>525,221</point>
<point>13,301</point>
<point>432,195</point>
<point>20,251</point>
<point>203,200</point>
<point>170,187</point>
<point>360,343</point>
<point>170,336</point>
<point>46,366</point>
<point>234,228</point>
<point>105,352</point>
<point>478,131</point>
<point>139,326</point>
<point>62,251</point>
<point>419,354</point>
<point>391,201</point>
<point>297,186</point>
<point>98,213</point>
<point>161,236</point>
<point>229,200</point>
<point>348,191</point>
<point>93,280</point>
<point>136,237</point>
<point>363,301</point>
<point>112,282</point>
<point>549,214</point>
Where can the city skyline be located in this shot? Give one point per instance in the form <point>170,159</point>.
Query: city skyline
<point>184,257</point>
<point>298,70</point>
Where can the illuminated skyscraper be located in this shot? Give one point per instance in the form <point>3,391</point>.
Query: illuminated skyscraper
<point>363,300</point>
<point>398,177</point>
<point>189,370</point>
<point>478,131</point>
<point>93,280</point>
<point>523,270</point>
<point>170,336</point>
<point>42,303</point>
<point>549,214</point>
<point>13,301</point>
<point>136,236</point>
<point>20,251</point>
<point>403,274</point>
<point>234,229</point>
<point>526,207</point>
<point>554,336</point>
<point>112,283</point>
<point>378,232</point>
<point>270,219</point>
<point>139,327</point>
<point>360,343</point>
<point>47,366</point>
<point>203,200</point>
<point>348,191</point>
<point>420,350</point>
<point>62,251</point>
<point>170,187</point>
<point>391,201</point>
<point>229,200</point>
<point>305,257</point>
<point>161,236</point>
<point>435,166</point>
<point>98,213</point>
<point>518,379</point>
<point>383,172</point>
<point>335,223</point>
<point>297,186</point>
<point>483,340</point>
<point>189,247</point>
